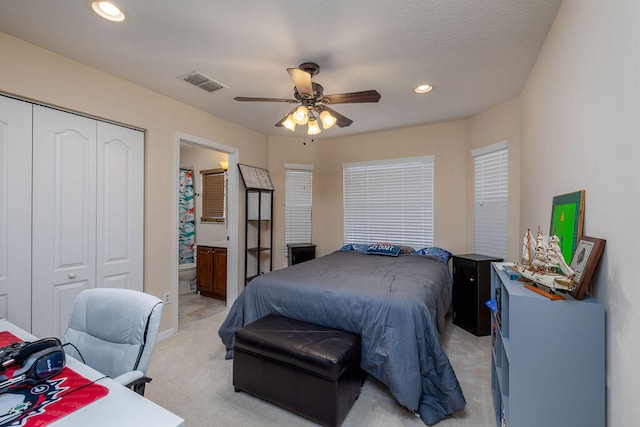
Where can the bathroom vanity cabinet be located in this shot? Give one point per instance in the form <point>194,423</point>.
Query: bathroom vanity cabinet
<point>212,272</point>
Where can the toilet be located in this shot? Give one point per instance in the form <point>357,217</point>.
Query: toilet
<point>186,278</point>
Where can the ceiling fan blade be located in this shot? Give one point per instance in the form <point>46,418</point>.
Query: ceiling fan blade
<point>248,98</point>
<point>341,121</point>
<point>353,97</point>
<point>302,81</point>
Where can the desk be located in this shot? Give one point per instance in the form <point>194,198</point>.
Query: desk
<point>121,407</point>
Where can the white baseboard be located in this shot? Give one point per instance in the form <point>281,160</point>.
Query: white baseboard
<point>166,334</point>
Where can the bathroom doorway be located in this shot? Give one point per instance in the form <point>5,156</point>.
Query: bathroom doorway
<point>196,158</point>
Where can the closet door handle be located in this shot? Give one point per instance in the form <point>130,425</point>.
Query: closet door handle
<point>72,275</point>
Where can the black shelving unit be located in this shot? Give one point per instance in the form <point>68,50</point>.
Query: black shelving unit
<point>258,221</point>
<point>258,231</point>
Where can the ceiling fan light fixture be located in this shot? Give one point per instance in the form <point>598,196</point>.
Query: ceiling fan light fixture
<point>327,119</point>
<point>311,103</point>
<point>313,128</point>
<point>423,88</point>
<point>301,115</point>
<point>289,123</point>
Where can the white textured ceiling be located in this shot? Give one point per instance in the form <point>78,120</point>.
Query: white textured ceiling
<point>477,53</point>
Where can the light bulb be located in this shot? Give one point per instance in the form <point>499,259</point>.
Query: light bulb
<point>313,127</point>
<point>301,115</point>
<point>423,88</point>
<point>109,10</point>
<point>289,123</point>
<point>224,164</point>
<point>327,119</point>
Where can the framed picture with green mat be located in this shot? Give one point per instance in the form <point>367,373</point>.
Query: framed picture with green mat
<point>567,219</point>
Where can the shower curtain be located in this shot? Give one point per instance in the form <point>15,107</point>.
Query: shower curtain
<point>186,217</point>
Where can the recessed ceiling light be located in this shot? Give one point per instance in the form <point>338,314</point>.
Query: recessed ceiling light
<point>108,10</point>
<point>423,88</point>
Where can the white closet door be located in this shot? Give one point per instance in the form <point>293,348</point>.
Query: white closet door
<point>15,211</point>
<point>120,207</point>
<point>64,216</point>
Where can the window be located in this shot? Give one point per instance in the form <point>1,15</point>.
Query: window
<point>213,195</point>
<point>491,194</point>
<point>389,201</point>
<point>298,203</point>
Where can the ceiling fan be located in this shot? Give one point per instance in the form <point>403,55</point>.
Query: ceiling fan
<point>313,102</point>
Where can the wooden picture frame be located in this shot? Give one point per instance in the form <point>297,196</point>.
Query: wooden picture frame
<point>567,219</point>
<point>584,263</point>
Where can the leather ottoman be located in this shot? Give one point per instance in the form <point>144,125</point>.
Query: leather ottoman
<point>308,369</point>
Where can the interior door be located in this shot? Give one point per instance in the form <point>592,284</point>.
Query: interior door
<point>120,199</point>
<point>64,216</point>
<point>15,211</point>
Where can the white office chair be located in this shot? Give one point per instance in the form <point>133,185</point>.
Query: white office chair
<point>114,331</point>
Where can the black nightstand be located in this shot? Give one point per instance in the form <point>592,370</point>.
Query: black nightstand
<point>471,289</point>
<point>301,252</point>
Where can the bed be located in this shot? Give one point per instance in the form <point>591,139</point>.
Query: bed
<point>397,304</point>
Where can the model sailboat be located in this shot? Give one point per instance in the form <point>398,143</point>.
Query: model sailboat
<point>543,263</point>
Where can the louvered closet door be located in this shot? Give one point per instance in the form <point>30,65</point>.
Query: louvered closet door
<point>120,201</point>
<point>64,216</point>
<point>15,211</point>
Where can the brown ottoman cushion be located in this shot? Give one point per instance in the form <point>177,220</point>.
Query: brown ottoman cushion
<point>308,369</point>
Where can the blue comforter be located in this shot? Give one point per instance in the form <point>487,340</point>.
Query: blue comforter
<point>396,304</point>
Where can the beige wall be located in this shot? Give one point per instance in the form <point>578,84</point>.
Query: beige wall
<point>579,130</point>
<point>491,126</point>
<point>446,141</point>
<point>31,72</point>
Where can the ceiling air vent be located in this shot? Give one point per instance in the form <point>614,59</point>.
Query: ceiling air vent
<point>202,81</point>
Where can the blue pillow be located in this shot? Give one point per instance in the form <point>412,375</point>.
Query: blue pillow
<point>358,247</point>
<point>436,252</point>
<point>382,249</point>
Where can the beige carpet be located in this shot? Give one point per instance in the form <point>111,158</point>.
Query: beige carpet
<point>192,379</point>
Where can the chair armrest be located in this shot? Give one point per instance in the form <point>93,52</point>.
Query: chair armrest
<point>128,378</point>
<point>134,380</point>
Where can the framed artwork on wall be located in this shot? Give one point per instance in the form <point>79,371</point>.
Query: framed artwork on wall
<point>567,219</point>
<point>584,263</point>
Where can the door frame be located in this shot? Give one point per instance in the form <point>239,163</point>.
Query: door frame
<point>232,216</point>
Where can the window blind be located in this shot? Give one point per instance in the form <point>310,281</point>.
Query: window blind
<point>298,204</point>
<point>212,195</point>
<point>491,196</point>
<point>389,201</point>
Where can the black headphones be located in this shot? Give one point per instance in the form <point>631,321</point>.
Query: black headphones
<point>36,362</point>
